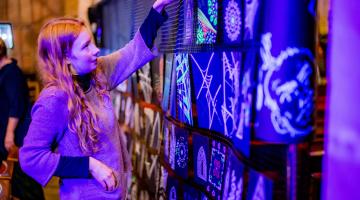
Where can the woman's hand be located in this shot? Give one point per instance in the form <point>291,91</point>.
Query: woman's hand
<point>160,4</point>
<point>9,141</point>
<point>103,174</point>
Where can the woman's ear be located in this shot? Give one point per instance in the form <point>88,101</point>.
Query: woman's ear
<point>67,57</point>
<point>67,61</point>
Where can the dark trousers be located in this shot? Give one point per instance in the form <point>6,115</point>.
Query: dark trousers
<point>24,187</point>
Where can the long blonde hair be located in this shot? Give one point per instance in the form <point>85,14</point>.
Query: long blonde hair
<point>55,41</point>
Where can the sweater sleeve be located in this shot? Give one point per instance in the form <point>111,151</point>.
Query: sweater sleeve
<point>119,65</point>
<point>49,121</point>
<point>150,26</point>
<point>73,167</point>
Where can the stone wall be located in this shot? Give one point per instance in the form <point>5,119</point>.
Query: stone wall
<point>27,17</point>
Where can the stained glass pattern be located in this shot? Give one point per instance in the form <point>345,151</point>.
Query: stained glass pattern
<point>216,170</point>
<point>207,21</point>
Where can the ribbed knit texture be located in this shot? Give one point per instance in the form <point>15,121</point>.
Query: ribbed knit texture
<point>49,126</point>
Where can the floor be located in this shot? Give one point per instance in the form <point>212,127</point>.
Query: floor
<point>51,190</point>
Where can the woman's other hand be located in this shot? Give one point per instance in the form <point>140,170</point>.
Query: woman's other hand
<point>103,174</point>
<point>9,140</point>
<point>160,4</point>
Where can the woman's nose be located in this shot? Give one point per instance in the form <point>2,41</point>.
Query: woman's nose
<point>96,51</point>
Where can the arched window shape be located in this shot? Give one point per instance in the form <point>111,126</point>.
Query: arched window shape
<point>201,164</point>
<point>172,195</point>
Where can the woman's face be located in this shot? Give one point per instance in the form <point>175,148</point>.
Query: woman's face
<point>84,54</point>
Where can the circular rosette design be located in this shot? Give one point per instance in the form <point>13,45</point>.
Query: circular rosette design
<point>232,20</point>
<point>181,152</point>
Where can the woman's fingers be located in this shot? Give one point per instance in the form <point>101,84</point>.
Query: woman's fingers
<point>111,182</point>
<point>103,174</point>
<point>115,179</point>
<point>103,184</point>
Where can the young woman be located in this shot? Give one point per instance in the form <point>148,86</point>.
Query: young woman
<point>74,113</point>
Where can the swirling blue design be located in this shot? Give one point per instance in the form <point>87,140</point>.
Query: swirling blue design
<point>290,101</point>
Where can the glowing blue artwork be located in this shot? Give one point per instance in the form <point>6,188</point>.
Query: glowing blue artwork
<point>201,161</point>
<point>284,94</point>
<point>172,147</point>
<point>203,196</point>
<point>190,193</point>
<point>233,183</point>
<point>216,170</point>
<point>167,81</point>
<point>207,78</point>
<point>172,195</point>
<point>213,11</point>
<point>172,189</point>
<point>201,158</point>
<point>173,92</point>
<point>260,187</point>
<point>145,82</point>
<point>251,10</point>
<point>188,21</point>
<point>238,123</point>
<point>232,21</point>
<point>183,88</point>
<point>231,94</point>
<point>207,21</point>
<point>166,140</point>
<point>181,152</point>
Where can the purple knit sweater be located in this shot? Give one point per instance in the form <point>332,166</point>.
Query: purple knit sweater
<point>49,127</point>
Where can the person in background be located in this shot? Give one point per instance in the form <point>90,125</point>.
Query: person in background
<point>74,113</point>
<point>14,123</point>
